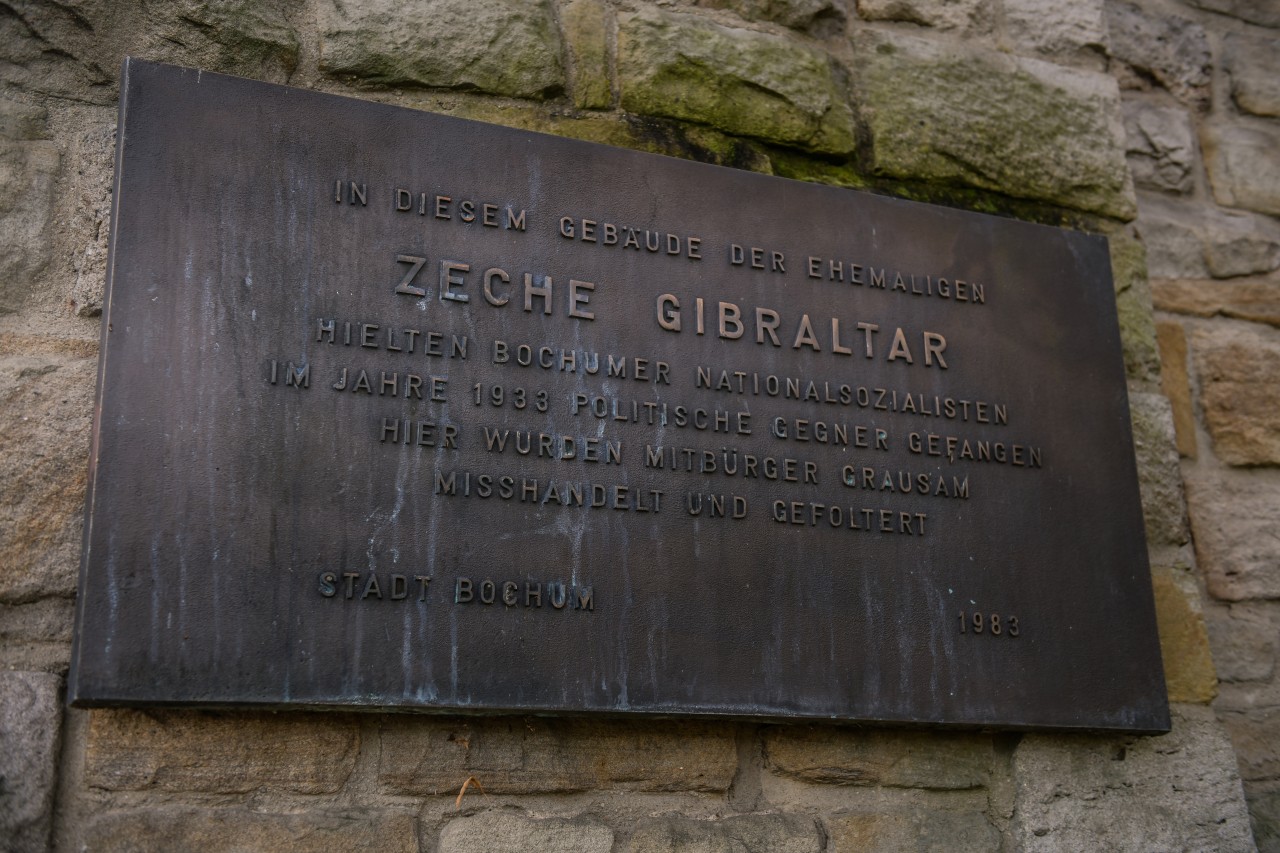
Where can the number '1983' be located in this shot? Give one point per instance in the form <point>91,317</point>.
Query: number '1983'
<point>989,623</point>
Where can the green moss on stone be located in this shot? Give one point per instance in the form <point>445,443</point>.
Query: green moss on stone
<point>1133,308</point>
<point>770,87</point>
<point>585,33</point>
<point>1023,128</point>
<point>503,47</point>
<point>818,17</point>
<point>792,164</point>
<point>249,34</point>
<point>1159,477</point>
<point>655,136</point>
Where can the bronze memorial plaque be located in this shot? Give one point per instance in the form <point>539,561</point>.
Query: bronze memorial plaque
<point>398,410</point>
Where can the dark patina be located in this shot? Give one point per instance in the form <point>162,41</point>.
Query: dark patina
<point>402,411</point>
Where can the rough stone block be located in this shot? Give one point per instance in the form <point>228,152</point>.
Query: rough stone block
<point>915,830</point>
<point>19,121</point>
<point>1179,791</point>
<point>1174,245</point>
<point>586,33</point>
<point>817,17</point>
<point>1159,477</point>
<point>970,17</point>
<point>89,226</point>
<point>219,830</point>
<point>73,51</point>
<point>510,832</point>
<point>1049,27</point>
<point>1161,147</point>
<point>518,755</point>
<point>28,170</point>
<point>1256,301</point>
<point>1174,249</point>
<point>771,87</point>
<point>1234,517</point>
<point>1244,638</point>
<point>1256,737</point>
<point>1239,244</point>
<point>1190,241</point>
<point>1184,643</point>
<point>502,47</point>
<point>1239,394</point>
<point>1175,384</point>
<point>953,113</point>
<point>1133,308</point>
<point>1264,809</point>
<point>246,36</point>
<point>46,405</point>
<point>896,759</point>
<point>1254,66</point>
<point>219,752</point>
<point>30,730</point>
<point>1152,45</point>
<point>1262,12</point>
<point>37,636</point>
<point>1244,166</point>
<point>49,48</point>
<point>1248,697</point>
<point>776,833</point>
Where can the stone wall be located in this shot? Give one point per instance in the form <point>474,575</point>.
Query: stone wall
<point>1157,124</point>
<point>1205,153</point>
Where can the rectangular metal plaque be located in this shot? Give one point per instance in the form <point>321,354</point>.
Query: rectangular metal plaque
<point>403,411</point>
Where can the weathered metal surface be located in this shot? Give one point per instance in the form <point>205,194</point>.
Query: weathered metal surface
<point>399,410</point>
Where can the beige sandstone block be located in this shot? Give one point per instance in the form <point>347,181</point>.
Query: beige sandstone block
<point>908,831</point>
<point>1179,791</point>
<point>1257,300</point>
<point>1184,642</point>
<point>1175,383</point>
<point>874,757</point>
<point>776,833</point>
<point>520,755</point>
<point>238,830</point>
<point>219,752</point>
<point>46,406</point>
<point>1244,166</point>
<point>1234,518</point>
<point>1239,394</point>
<point>511,832</point>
